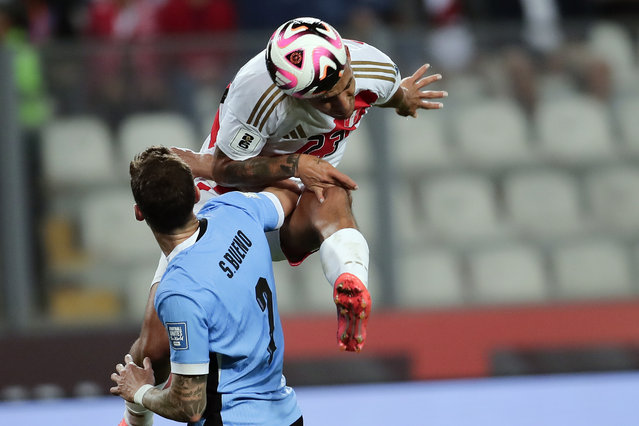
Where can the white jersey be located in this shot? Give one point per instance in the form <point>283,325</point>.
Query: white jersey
<point>256,118</point>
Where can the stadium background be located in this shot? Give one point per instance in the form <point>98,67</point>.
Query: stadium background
<point>504,229</point>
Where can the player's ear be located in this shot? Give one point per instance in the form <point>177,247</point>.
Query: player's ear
<point>138,213</point>
<point>197,194</point>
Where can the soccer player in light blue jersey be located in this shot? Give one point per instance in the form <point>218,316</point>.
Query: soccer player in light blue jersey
<point>216,299</point>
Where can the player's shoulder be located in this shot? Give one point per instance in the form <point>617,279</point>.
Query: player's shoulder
<point>373,70</point>
<point>252,94</point>
<point>246,201</point>
<point>366,53</point>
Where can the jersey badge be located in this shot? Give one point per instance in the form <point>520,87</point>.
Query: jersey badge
<point>246,141</point>
<point>177,335</point>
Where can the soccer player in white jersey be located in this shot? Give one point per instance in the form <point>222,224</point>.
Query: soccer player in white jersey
<point>287,114</point>
<point>217,299</point>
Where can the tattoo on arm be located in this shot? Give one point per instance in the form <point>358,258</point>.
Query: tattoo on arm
<point>290,167</point>
<point>184,400</point>
<point>259,170</point>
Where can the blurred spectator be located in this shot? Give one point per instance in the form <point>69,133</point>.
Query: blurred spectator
<point>33,111</point>
<point>124,75</point>
<point>201,61</point>
<point>130,20</point>
<point>450,44</point>
<point>537,46</point>
<point>197,17</point>
<point>49,20</point>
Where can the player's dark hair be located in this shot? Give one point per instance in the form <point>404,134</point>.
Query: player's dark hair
<point>162,186</point>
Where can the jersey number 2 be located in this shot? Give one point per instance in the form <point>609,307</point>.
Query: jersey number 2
<point>264,298</point>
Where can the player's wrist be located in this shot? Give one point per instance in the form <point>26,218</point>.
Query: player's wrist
<point>138,397</point>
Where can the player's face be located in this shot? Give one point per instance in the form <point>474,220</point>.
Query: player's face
<point>339,102</point>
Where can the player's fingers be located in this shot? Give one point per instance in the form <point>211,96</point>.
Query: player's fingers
<point>146,363</point>
<point>433,94</point>
<point>344,180</point>
<point>319,193</point>
<point>128,359</point>
<point>115,377</point>
<point>431,105</point>
<point>115,390</point>
<point>420,72</point>
<point>119,368</point>
<point>428,80</point>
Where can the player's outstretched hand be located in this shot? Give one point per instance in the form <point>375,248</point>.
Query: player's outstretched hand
<point>129,377</point>
<point>201,164</point>
<point>414,97</point>
<point>317,175</point>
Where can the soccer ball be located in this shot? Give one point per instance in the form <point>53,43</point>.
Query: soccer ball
<point>305,57</point>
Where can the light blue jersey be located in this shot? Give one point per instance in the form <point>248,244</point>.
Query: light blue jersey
<point>217,300</point>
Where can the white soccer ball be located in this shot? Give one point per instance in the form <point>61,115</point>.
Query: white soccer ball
<point>305,57</point>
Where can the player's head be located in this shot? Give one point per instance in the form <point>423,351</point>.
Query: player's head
<point>163,189</point>
<point>306,57</point>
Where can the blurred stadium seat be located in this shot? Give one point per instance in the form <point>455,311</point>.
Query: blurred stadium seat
<point>492,135</point>
<point>614,198</point>
<point>430,278</point>
<point>419,144</point>
<point>612,43</point>
<point>139,131</point>
<point>544,204</point>
<point>574,131</point>
<point>77,152</point>
<point>358,157</point>
<point>289,291</point>
<point>508,273</point>
<point>592,268</point>
<point>626,113</point>
<point>461,208</point>
<point>109,228</point>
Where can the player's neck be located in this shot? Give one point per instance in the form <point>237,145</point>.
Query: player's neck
<point>168,242</point>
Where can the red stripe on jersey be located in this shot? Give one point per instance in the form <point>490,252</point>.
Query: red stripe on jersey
<point>327,143</point>
<point>214,129</point>
<point>216,122</point>
<point>203,186</point>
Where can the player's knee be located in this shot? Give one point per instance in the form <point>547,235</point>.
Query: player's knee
<point>339,197</point>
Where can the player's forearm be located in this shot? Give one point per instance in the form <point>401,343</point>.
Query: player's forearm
<point>256,171</point>
<point>183,401</point>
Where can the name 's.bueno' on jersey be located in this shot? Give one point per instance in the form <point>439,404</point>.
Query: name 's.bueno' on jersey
<point>235,254</point>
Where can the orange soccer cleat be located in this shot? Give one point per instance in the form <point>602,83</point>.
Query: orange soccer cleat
<point>353,303</point>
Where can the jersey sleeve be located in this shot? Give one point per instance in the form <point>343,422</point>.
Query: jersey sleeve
<point>251,111</point>
<point>264,207</point>
<point>374,70</point>
<point>238,139</point>
<point>185,322</point>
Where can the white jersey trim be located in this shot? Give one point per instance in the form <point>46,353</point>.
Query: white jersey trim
<point>189,369</point>
<point>278,206</point>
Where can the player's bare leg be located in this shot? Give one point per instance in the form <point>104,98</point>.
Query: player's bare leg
<point>331,227</point>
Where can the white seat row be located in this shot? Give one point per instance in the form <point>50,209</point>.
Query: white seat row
<point>506,273</point>
<point>540,204</point>
<point>80,151</point>
<point>516,272</point>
